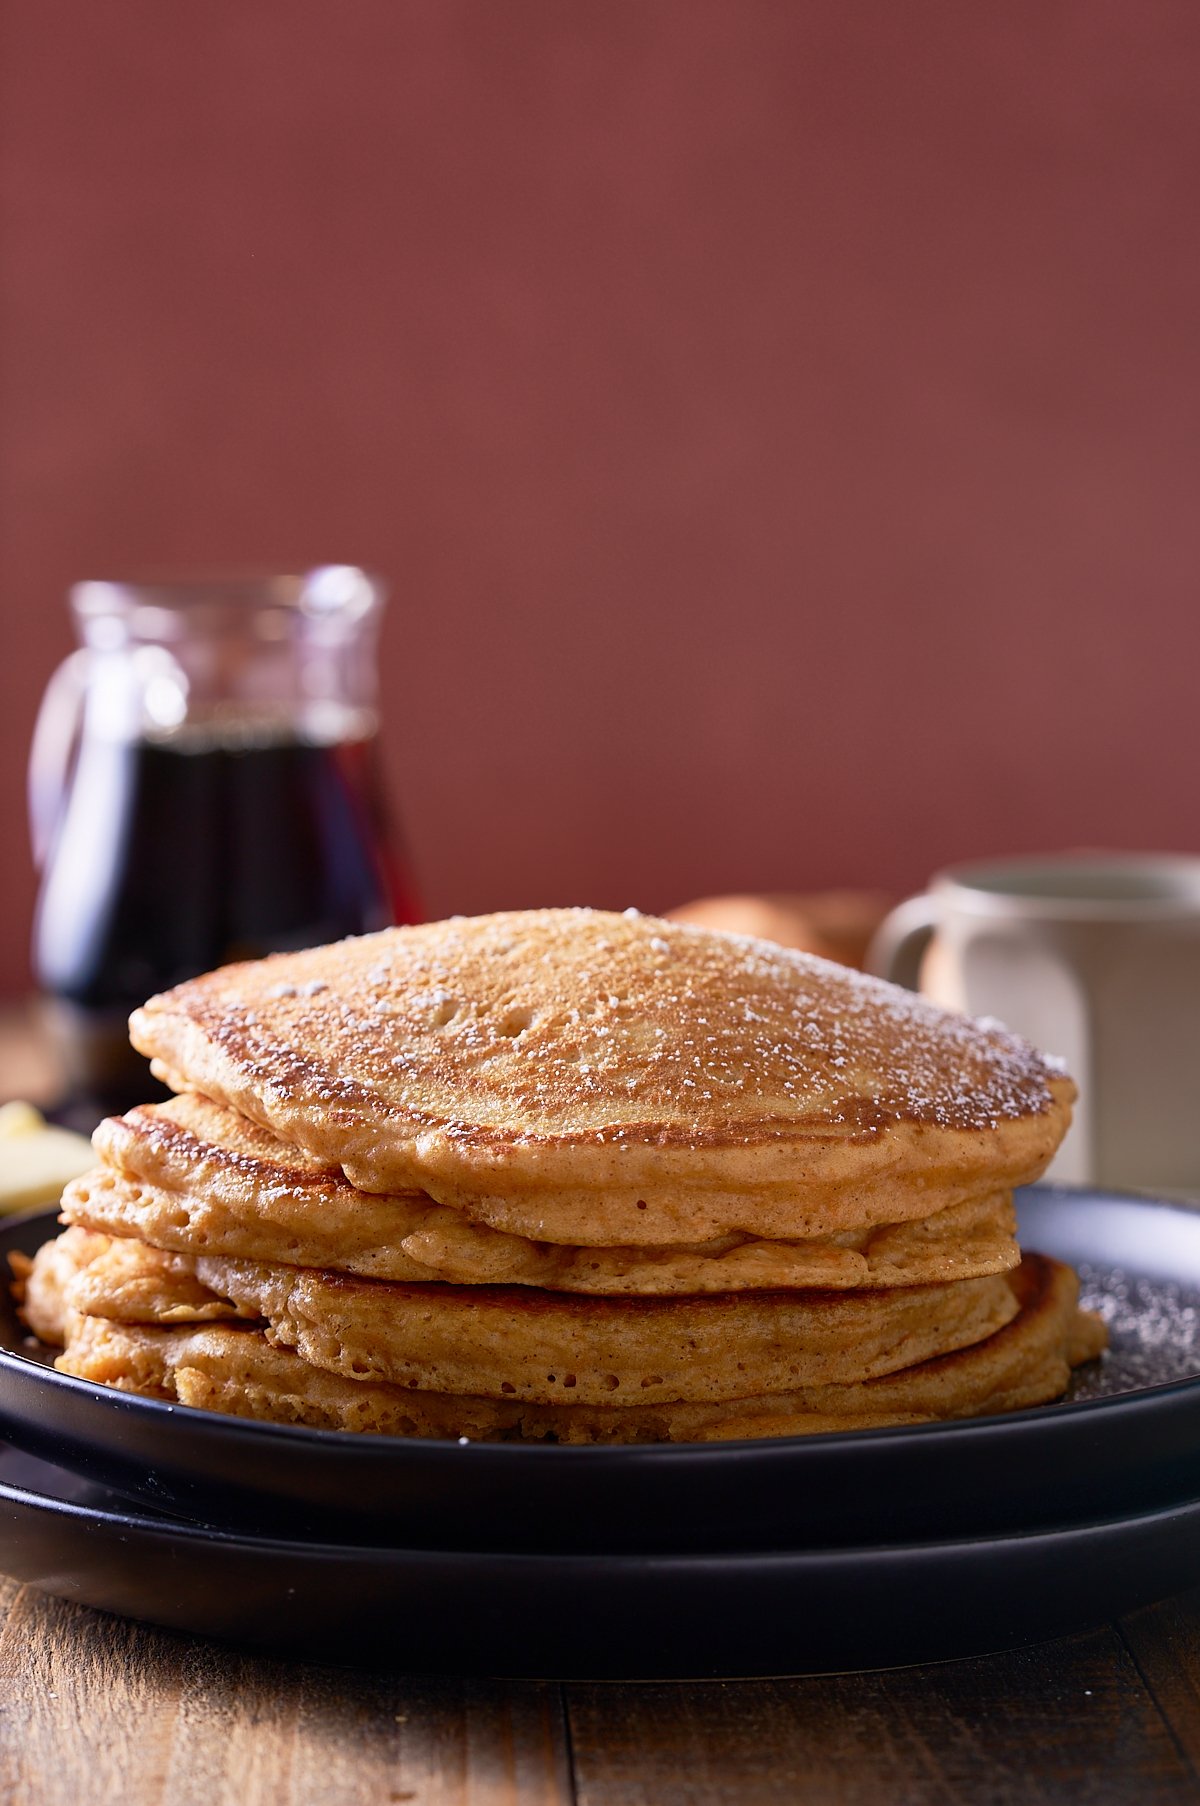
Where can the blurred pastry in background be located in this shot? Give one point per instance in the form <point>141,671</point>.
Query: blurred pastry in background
<point>834,924</point>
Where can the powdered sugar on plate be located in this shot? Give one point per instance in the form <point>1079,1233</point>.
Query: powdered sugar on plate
<point>1153,1330</point>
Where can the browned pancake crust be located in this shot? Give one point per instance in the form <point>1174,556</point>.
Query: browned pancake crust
<point>583,1077</point>
<point>234,1369</point>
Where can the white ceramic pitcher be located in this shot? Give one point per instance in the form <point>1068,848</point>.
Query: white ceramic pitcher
<point>1094,957</point>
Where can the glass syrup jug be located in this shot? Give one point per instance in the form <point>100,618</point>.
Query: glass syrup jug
<point>203,787</point>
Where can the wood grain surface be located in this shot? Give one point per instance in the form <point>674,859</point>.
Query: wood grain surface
<point>95,1711</point>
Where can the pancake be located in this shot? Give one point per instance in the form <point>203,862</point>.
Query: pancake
<point>41,1286</point>
<point>965,1241</point>
<point>138,1284</point>
<point>196,1177</point>
<point>591,1079</point>
<point>505,1341</point>
<point>236,1370</point>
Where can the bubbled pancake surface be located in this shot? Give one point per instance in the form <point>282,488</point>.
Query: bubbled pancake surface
<point>195,1176</point>
<point>235,1369</point>
<point>583,1077</point>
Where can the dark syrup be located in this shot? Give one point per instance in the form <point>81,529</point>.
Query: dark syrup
<point>177,856</point>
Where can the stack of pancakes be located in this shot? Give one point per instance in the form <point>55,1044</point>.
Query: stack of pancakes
<point>571,1176</point>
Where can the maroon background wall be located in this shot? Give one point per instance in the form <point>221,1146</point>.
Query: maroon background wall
<point>778,420</point>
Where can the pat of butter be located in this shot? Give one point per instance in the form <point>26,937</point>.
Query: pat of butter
<point>36,1161</point>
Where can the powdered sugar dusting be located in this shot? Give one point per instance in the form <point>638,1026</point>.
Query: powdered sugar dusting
<point>621,1024</point>
<point>1153,1331</point>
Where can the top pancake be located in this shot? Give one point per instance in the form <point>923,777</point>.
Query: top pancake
<point>595,1078</point>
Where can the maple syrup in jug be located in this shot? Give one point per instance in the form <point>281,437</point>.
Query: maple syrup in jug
<point>213,796</point>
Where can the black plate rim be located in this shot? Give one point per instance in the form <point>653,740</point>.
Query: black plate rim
<point>368,1447</point>
<point>567,1561</point>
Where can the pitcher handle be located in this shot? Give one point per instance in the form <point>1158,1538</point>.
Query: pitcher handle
<point>900,941</point>
<point>55,738</point>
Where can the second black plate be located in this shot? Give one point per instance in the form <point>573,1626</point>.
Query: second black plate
<point>601,1617</point>
<point>1130,1438</point>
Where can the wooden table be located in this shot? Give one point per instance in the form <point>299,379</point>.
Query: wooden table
<point>95,1710</point>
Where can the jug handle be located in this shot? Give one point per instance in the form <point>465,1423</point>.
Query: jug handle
<point>900,942</point>
<point>55,738</point>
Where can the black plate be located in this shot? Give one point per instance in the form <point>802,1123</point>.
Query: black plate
<point>1130,1440</point>
<point>585,1616</point>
